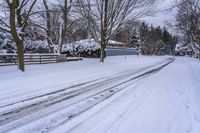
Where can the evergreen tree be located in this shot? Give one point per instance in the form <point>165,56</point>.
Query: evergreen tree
<point>168,40</point>
<point>143,32</point>
<point>144,35</point>
<point>154,40</point>
<point>134,41</point>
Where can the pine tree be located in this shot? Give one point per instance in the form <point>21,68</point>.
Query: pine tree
<point>135,39</point>
<point>143,36</point>
<point>168,40</point>
<point>143,32</point>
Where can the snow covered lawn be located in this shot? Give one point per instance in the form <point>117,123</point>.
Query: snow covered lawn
<point>164,101</point>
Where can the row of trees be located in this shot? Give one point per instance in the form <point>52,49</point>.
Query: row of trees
<point>101,18</point>
<point>153,40</point>
<point>188,22</point>
<point>147,39</point>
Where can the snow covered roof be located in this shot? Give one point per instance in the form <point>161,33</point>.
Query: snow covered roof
<point>93,41</point>
<point>115,42</point>
<point>182,47</point>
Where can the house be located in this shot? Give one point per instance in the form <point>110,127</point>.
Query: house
<point>115,48</point>
<point>182,49</point>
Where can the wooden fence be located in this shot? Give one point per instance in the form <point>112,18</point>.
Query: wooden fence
<point>11,59</point>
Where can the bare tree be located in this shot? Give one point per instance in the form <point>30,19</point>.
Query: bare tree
<point>188,21</point>
<point>49,29</point>
<point>19,12</point>
<point>105,17</point>
<point>46,18</point>
<point>66,23</point>
<point>59,18</point>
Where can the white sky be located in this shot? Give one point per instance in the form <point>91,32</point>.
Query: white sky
<point>160,18</point>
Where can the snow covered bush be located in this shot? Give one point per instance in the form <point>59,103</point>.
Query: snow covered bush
<point>36,46</point>
<point>6,43</point>
<point>84,48</point>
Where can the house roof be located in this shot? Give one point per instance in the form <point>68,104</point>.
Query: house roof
<point>182,47</point>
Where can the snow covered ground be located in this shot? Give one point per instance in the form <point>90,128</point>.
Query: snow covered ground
<point>167,102</point>
<point>119,96</point>
<point>39,79</point>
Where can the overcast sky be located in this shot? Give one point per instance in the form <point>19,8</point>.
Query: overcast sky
<point>160,18</point>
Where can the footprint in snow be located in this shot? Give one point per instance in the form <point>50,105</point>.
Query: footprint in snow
<point>111,90</point>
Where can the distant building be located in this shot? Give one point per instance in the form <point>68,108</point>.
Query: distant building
<point>183,50</point>
<point>115,48</point>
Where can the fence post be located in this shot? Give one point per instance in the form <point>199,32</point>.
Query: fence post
<point>40,59</point>
<point>15,59</point>
<point>31,57</point>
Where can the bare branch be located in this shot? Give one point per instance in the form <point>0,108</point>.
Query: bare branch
<point>28,15</point>
<point>4,29</point>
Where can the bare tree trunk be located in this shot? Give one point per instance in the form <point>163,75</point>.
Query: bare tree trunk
<point>102,56</point>
<point>49,28</point>
<point>20,54</point>
<point>104,30</point>
<point>60,38</point>
<point>65,9</point>
<point>62,34</point>
<point>17,38</point>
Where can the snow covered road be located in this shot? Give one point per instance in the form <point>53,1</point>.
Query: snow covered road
<point>166,102</point>
<point>140,100</point>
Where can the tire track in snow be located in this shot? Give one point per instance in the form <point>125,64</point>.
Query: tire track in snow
<point>85,84</point>
<point>16,113</point>
<point>64,121</point>
<point>27,110</point>
<point>123,114</point>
